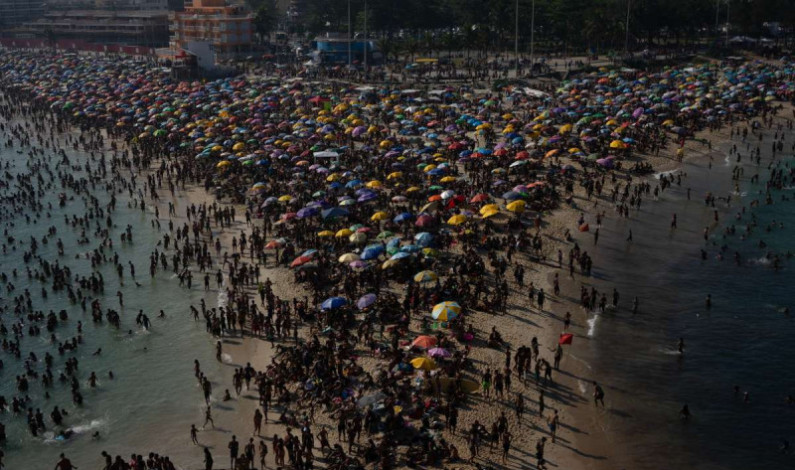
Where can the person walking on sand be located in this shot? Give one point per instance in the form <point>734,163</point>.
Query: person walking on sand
<point>257,422</point>
<point>598,394</point>
<point>194,434</point>
<point>208,459</point>
<point>234,448</point>
<point>64,464</point>
<point>553,424</point>
<point>208,417</point>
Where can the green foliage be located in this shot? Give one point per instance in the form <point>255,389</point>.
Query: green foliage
<point>573,24</point>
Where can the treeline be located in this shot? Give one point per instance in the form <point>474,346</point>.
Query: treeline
<point>568,24</point>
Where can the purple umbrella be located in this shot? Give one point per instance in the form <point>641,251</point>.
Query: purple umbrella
<point>365,301</point>
<point>439,352</point>
<point>307,212</point>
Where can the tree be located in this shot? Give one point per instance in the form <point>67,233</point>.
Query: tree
<point>265,19</point>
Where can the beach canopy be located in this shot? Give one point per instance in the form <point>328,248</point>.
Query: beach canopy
<point>446,311</point>
<point>365,301</point>
<point>424,342</point>
<point>425,276</point>
<point>423,363</point>
<point>334,302</point>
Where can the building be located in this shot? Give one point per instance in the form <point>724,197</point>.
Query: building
<point>129,27</point>
<point>106,4</point>
<point>227,28</point>
<point>15,12</point>
<point>334,50</point>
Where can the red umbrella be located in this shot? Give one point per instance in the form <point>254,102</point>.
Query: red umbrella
<point>480,198</point>
<point>565,338</point>
<point>424,220</point>
<point>300,261</point>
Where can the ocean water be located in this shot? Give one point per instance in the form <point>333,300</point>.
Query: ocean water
<point>154,397</point>
<point>744,340</point>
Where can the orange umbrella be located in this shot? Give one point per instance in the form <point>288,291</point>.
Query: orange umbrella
<point>424,342</point>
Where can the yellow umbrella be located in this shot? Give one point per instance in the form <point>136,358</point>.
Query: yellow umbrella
<point>374,184</point>
<point>489,208</point>
<point>285,198</point>
<point>333,177</point>
<point>447,179</point>
<point>427,251</point>
<point>394,174</point>
<point>343,233</point>
<point>574,150</point>
<point>424,363</point>
<point>566,128</point>
<point>223,164</point>
<point>325,233</point>
<point>425,276</point>
<point>446,311</point>
<point>389,263</point>
<point>378,216</point>
<point>429,168</point>
<point>617,144</point>
<point>348,258</point>
<point>457,219</point>
<point>490,213</point>
<point>516,206</point>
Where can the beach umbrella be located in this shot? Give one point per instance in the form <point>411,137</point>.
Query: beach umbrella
<point>384,235</point>
<point>423,238</point>
<point>402,217</point>
<point>389,263</point>
<point>348,258</point>
<point>489,208</point>
<point>424,220</point>
<point>300,261</point>
<point>307,212</point>
<point>372,252</point>
<point>357,237</point>
<point>400,255</point>
<point>346,232</point>
<point>334,212</point>
<point>516,206</point>
<point>333,302</point>
<point>325,233</point>
<point>359,264</point>
<point>365,301</point>
<point>424,342</point>
<point>446,311</point>
<point>479,198</point>
<point>438,352</point>
<point>457,219</point>
<point>278,243</point>
<point>425,276</point>
<point>378,216</point>
<point>285,198</point>
<point>423,363</point>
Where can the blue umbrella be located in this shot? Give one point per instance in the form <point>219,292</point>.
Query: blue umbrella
<point>511,195</point>
<point>309,253</point>
<point>307,212</point>
<point>423,238</point>
<point>367,197</point>
<point>372,252</point>
<point>365,301</point>
<point>408,249</point>
<point>335,212</point>
<point>353,183</point>
<point>402,217</point>
<point>333,302</point>
<point>401,254</point>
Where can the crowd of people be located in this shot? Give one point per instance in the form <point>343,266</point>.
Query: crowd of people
<point>398,212</point>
